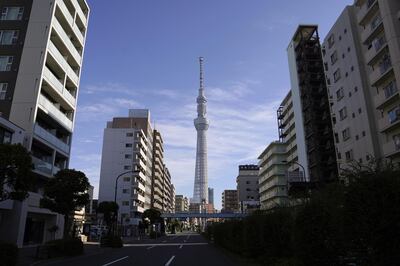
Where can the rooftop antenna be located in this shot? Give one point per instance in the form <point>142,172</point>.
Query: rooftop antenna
<point>201,59</point>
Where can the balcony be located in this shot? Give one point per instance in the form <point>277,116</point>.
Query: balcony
<point>387,124</point>
<point>139,185</point>
<point>138,197</point>
<point>140,164</point>
<point>367,10</point>
<point>63,63</point>
<point>50,109</point>
<point>80,13</point>
<point>67,41</point>
<point>377,49</point>
<point>137,209</point>
<point>50,138</point>
<point>381,72</point>
<point>372,29</point>
<point>64,10</point>
<point>390,149</point>
<point>52,80</point>
<point>42,166</point>
<point>389,95</point>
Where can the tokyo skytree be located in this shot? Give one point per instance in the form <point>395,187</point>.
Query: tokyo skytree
<point>200,192</point>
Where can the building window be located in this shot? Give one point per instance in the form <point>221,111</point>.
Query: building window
<point>349,155</point>
<point>356,89</point>
<point>348,49</point>
<point>390,89</point>
<point>125,191</point>
<point>357,137</point>
<point>3,90</point>
<point>345,31</point>
<point>339,94</point>
<point>336,137</point>
<point>352,68</point>
<point>129,134</point>
<point>346,134</point>
<point>350,94</point>
<point>8,37</point>
<point>12,13</point>
<point>5,136</point>
<point>334,57</point>
<point>127,167</point>
<point>343,113</point>
<point>353,115</point>
<point>363,133</point>
<point>336,75</point>
<point>127,179</point>
<point>359,110</point>
<point>128,145</point>
<point>339,156</point>
<point>331,40</point>
<point>128,156</point>
<point>247,182</point>
<point>396,140</point>
<point>125,203</point>
<point>6,63</point>
<point>394,114</point>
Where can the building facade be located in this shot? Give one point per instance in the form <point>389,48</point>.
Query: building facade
<point>128,148</point>
<point>41,51</point>
<point>230,202</point>
<point>247,187</point>
<point>181,204</point>
<point>211,196</point>
<point>315,143</point>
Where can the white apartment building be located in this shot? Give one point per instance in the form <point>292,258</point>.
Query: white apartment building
<point>248,188</point>
<point>379,29</point>
<point>127,148</point>
<point>352,110</point>
<point>41,51</point>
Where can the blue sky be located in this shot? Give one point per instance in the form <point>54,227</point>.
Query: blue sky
<point>143,54</point>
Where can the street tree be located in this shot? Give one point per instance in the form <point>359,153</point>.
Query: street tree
<point>153,215</point>
<point>109,209</point>
<point>66,193</point>
<point>16,177</point>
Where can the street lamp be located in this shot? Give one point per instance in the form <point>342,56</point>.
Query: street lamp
<point>116,182</point>
<point>299,164</point>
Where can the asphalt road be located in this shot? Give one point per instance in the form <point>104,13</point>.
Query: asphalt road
<point>182,249</point>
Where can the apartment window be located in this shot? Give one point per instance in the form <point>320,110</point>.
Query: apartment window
<point>334,120</point>
<point>5,136</point>
<point>356,89</point>
<point>125,203</point>
<point>326,66</point>
<point>128,156</point>
<point>336,137</point>
<point>345,31</point>
<point>12,13</point>
<point>129,134</point>
<point>346,134</point>
<point>349,155</point>
<point>352,68</point>
<point>340,37</point>
<point>3,90</point>
<point>339,94</point>
<point>339,156</point>
<point>363,133</point>
<point>247,182</point>
<point>6,63</point>
<point>353,115</point>
<point>343,113</point>
<point>390,89</point>
<point>394,114</point>
<point>8,37</point>
<point>385,64</point>
<point>375,22</point>
<point>343,56</point>
<point>125,191</point>
<point>357,137</point>
<point>359,110</point>
<point>336,75</point>
<point>127,167</point>
<point>350,94</point>
<point>128,145</point>
<point>396,140</point>
<point>331,40</point>
<point>127,179</point>
<point>334,57</point>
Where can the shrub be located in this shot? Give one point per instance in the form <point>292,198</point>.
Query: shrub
<point>111,241</point>
<point>8,254</point>
<point>64,247</point>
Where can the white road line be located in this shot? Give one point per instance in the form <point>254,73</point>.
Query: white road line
<point>170,260</point>
<point>184,240</point>
<point>188,237</point>
<point>115,261</point>
<point>151,247</point>
<point>165,241</point>
<point>180,247</point>
<point>165,244</point>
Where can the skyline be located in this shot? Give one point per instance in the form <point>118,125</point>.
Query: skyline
<point>237,77</point>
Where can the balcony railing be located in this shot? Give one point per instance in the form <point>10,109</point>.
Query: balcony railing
<point>79,12</point>
<point>54,112</point>
<point>47,136</point>
<point>42,166</point>
<point>67,41</point>
<point>371,28</point>
<point>64,64</point>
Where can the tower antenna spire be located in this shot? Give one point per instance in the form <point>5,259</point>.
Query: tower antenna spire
<point>201,59</point>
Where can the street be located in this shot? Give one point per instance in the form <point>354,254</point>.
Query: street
<point>181,249</point>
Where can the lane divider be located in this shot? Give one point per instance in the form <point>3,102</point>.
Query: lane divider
<point>170,260</point>
<point>151,247</point>
<point>115,261</point>
<point>165,244</point>
<point>180,247</point>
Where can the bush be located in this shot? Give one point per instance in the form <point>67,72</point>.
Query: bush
<point>111,241</point>
<point>64,247</point>
<point>8,254</point>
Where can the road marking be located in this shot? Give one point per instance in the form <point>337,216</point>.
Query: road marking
<point>180,247</point>
<point>188,237</point>
<point>170,260</point>
<point>115,261</point>
<point>165,241</point>
<point>165,244</point>
<point>151,247</point>
<point>184,240</point>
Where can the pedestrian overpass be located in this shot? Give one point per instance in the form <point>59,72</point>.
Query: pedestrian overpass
<point>219,215</point>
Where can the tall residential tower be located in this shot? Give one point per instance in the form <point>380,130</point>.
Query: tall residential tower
<point>201,123</point>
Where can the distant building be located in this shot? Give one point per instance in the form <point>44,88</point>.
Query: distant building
<point>181,203</point>
<point>247,187</point>
<point>210,196</point>
<point>230,201</point>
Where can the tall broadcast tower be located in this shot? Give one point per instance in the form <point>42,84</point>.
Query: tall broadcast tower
<point>200,193</point>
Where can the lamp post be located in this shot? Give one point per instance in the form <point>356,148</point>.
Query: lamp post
<point>299,164</point>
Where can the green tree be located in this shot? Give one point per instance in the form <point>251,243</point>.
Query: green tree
<point>65,194</point>
<point>16,177</point>
<point>109,209</point>
<point>153,215</point>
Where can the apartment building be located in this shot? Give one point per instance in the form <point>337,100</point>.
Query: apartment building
<point>211,196</point>
<point>247,187</point>
<point>168,191</point>
<point>127,154</point>
<point>313,126</point>
<point>230,202</point>
<point>378,23</point>
<point>41,50</point>
<point>181,204</point>
<point>352,109</point>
